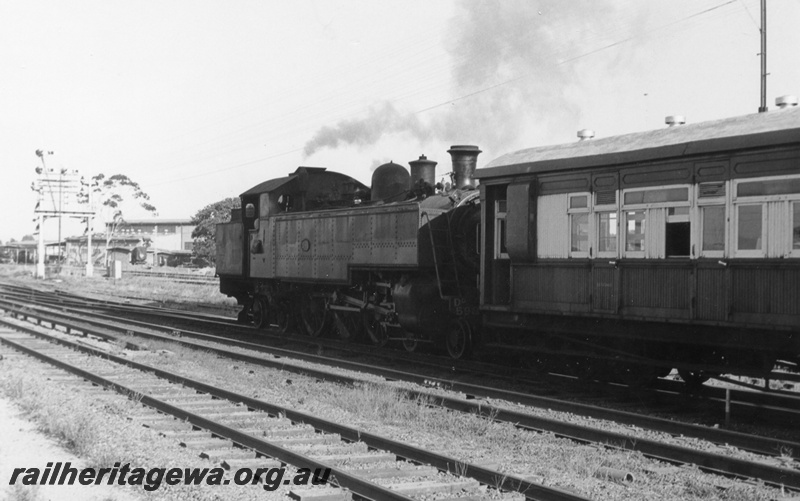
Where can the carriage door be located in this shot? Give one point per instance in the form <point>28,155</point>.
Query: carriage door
<point>497,267</point>
<point>605,272</point>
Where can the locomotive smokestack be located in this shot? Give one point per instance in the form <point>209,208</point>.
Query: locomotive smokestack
<point>465,158</point>
<point>422,169</point>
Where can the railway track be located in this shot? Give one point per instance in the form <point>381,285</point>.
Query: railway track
<point>778,406</point>
<point>183,278</point>
<point>471,402</point>
<point>234,431</point>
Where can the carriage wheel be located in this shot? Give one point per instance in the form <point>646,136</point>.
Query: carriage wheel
<point>635,375</point>
<point>348,325</point>
<point>260,313</point>
<point>694,378</point>
<point>314,315</point>
<point>459,339</point>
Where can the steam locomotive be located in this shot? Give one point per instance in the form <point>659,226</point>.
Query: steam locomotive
<point>633,254</point>
<point>319,251</point>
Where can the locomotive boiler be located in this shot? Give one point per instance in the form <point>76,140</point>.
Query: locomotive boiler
<point>319,252</point>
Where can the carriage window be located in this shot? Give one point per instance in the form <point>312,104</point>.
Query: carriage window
<point>656,222</point>
<point>579,225</point>
<point>607,233</point>
<point>579,202</point>
<point>677,237</point>
<point>634,230</point>
<point>768,187</point>
<point>657,196</point>
<point>579,232</point>
<point>767,217</point>
<point>749,226</point>
<point>713,233</point>
<point>796,225</point>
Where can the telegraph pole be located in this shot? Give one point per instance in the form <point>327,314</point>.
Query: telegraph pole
<point>60,215</point>
<point>763,106</point>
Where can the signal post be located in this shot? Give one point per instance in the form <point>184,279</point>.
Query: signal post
<point>60,194</point>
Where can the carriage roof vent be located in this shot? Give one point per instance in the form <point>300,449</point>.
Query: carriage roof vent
<point>585,134</point>
<point>786,101</point>
<point>674,120</point>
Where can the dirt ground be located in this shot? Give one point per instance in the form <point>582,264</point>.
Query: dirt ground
<point>22,446</point>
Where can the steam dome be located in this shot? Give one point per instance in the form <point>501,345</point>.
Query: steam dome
<point>390,182</point>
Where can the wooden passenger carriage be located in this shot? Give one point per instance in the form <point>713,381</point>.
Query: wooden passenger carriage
<point>675,244</point>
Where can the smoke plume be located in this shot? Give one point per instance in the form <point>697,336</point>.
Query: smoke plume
<point>381,119</point>
<point>511,68</point>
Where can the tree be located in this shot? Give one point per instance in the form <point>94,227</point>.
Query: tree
<point>113,191</point>
<point>28,238</point>
<point>206,221</point>
<point>112,194</point>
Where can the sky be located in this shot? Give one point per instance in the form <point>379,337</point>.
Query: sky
<point>199,100</point>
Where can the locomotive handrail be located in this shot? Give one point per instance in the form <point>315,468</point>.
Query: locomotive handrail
<point>436,259</point>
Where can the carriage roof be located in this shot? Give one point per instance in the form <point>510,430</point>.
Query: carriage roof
<point>749,131</point>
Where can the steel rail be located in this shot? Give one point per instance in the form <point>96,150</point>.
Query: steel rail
<point>756,398</point>
<point>667,386</point>
<point>94,304</point>
<point>713,393</point>
<point>484,475</point>
<point>367,489</point>
<point>760,445</point>
<point>70,324</point>
<point>752,443</point>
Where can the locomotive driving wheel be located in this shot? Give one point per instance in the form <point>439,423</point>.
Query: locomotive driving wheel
<point>348,325</point>
<point>376,330</point>
<point>314,314</point>
<point>458,339</point>
<point>260,313</point>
